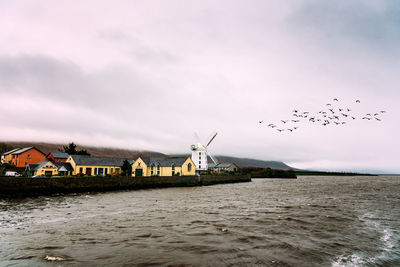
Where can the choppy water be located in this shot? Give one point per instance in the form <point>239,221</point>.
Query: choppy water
<point>311,221</point>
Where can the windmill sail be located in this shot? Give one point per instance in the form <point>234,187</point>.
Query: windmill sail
<point>212,158</point>
<point>212,138</point>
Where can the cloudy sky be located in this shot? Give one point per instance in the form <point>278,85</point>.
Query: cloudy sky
<point>148,74</point>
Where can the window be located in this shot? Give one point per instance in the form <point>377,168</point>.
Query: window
<point>173,169</point>
<point>112,170</point>
<point>189,167</point>
<point>29,156</point>
<point>81,170</point>
<point>95,171</point>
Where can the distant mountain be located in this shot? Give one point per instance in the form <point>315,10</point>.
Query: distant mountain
<point>246,162</point>
<point>132,154</point>
<point>250,163</point>
<point>94,151</point>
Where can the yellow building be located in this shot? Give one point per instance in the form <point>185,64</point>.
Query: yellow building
<point>7,156</point>
<point>163,167</point>
<point>49,168</point>
<point>95,166</point>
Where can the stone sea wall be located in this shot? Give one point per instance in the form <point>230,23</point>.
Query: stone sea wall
<point>23,187</point>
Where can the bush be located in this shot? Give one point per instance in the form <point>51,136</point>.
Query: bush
<point>268,173</point>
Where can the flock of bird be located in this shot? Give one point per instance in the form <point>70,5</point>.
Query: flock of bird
<point>330,115</point>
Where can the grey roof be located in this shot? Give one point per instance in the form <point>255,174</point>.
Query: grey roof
<point>11,151</point>
<point>97,161</point>
<point>22,150</point>
<point>225,165</point>
<point>37,166</point>
<point>220,165</point>
<point>19,151</point>
<point>164,162</point>
<point>211,165</point>
<point>60,155</point>
<point>66,165</point>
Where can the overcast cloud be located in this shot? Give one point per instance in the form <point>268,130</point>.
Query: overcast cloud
<point>148,74</point>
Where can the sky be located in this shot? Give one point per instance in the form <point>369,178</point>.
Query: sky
<point>150,74</point>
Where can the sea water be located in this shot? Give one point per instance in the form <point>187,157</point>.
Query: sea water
<point>310,221</point>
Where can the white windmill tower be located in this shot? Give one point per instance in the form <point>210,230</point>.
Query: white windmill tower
<point>200,153</point>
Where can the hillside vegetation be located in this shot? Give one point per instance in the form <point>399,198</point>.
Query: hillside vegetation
<point>94,151</point>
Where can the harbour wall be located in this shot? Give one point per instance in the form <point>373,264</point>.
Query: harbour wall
<point>11,187</point>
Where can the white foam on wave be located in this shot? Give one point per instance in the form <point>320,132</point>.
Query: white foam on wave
<point>349,261</point>
<point>53,258</point>
<point>387,237</point>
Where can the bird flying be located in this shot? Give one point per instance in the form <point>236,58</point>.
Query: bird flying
<point>338,116</point>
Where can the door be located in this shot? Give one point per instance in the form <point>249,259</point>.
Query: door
<point>89,171</point>
<point>139,172</point>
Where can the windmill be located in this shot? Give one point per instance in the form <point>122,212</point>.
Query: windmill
<point>200,153</point>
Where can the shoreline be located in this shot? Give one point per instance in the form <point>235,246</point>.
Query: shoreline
<point>20,187</point>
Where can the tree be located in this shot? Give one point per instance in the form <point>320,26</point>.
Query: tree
<point>83,152</point>
<point>71,150</point>
<point>126,168</point>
